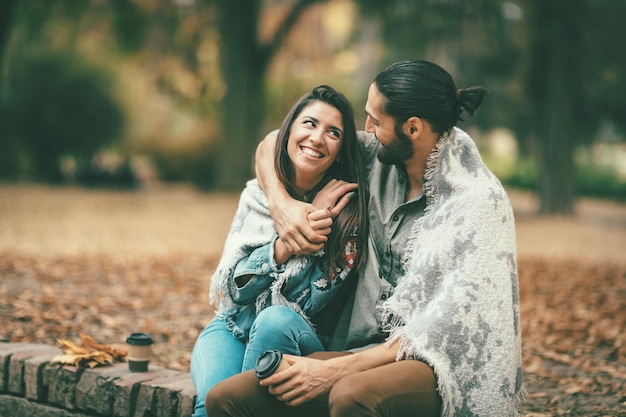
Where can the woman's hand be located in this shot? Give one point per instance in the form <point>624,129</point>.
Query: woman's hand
<point>319,222</point>
<point>303,228</point>
<point>334,196</point>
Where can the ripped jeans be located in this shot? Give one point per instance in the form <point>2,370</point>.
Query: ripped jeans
<point>217,355</point>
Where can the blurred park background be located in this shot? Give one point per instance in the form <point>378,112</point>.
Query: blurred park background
<point>128,128</point>
<point>123,93</point>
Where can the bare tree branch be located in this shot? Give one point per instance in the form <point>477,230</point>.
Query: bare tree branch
<point>266,52</point>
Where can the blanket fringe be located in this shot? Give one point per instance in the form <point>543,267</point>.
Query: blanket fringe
<point>430,190</point>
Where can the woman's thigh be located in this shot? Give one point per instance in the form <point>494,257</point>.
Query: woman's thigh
<point>399,389</point>
<point>216,356</point>
<point>279,327</point>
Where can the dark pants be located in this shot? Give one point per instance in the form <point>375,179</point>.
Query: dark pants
<point>405,388</point>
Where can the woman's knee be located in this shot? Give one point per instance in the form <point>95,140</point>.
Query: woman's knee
<point>275,319</point>
<point>276,315</point>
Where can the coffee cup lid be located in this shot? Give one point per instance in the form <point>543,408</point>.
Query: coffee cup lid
<point>267,363</point>
<point>139,339</point>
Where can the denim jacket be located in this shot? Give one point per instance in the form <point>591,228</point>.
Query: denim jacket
<point>301,283</point>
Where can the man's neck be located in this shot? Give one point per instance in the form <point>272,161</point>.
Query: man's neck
<point>416,166</point>
<point>415,173</point>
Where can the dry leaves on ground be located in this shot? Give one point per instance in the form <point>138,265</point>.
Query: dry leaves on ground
<point>574,334</point>
<point>89,353</point>
<point>573,321</point>
<point>45,299</point>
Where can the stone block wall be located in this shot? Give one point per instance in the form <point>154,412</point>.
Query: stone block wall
<point>31,386</point>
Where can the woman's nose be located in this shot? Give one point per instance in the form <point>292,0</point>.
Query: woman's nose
<point>316,136</point>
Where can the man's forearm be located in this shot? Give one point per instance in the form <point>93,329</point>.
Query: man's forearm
<point>309,378</point>
<point>365,359</point>
<point>289,215</point>
<point>265,172</point>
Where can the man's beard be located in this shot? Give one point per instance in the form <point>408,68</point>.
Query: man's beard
<point>399,150</point>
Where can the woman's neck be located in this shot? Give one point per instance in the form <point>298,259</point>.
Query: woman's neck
<point>304,187</point>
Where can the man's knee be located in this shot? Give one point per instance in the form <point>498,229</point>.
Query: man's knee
<point>345,398</point>
<point>233,396</point>
<point>219,401</point>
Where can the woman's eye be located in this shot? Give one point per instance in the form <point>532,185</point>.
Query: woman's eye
<point>335,133</point>
<point>309,123</point>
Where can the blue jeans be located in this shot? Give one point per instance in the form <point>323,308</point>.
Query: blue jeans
<point>217,355</point>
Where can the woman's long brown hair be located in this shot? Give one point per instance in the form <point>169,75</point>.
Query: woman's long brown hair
<point>348,167</point>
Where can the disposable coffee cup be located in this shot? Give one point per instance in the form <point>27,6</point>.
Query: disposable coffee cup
<point>269,362</point>
<point>139,351</point>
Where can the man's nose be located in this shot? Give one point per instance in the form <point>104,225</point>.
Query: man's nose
<point>369,126</point>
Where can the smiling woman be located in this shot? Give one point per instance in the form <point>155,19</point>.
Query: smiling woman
<point>314,144</point>
<point>268,294</point>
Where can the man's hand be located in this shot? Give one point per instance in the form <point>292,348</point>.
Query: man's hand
<point>309,378</point>
<point>303,381</point>
<point>303,228</point>
<point>291,217</point>
<point>334,196</point>
<point>292,224</point>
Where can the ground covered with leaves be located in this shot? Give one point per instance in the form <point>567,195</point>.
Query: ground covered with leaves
<point>573,307</point>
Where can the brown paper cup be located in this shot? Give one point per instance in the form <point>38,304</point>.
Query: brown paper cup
<point>139,352</point>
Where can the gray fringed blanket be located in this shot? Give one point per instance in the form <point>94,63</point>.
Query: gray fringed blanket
<point>457,307</point>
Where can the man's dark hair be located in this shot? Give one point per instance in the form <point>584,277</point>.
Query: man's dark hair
<point>425,90</point>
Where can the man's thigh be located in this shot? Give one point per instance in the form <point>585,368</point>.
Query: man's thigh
<point>242,396</point>
<point>404,388</point>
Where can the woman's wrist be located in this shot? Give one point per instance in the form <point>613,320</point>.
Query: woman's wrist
<point>281,252</point>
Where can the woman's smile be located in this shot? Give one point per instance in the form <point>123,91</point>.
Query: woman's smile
<point>314,143</point>
<point>311,152</point>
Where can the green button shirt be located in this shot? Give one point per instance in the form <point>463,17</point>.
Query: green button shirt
<point>391,220</point>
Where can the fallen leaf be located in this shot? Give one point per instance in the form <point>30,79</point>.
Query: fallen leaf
<point>90,355</point>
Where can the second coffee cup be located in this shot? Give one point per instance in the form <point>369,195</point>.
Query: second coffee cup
<point>269,362</point>
<point>139,352</point>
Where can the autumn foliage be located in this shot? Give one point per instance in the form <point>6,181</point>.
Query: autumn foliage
<point>573,318</point>
<point>89,353</point>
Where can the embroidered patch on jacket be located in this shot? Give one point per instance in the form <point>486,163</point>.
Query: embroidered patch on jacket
<point>337,276</point>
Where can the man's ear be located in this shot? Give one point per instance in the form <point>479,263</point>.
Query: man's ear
<point>412,126</point>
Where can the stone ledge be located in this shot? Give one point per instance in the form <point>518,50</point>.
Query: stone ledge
<point>31,386</point>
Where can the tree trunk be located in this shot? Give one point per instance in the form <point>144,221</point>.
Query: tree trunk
<point>243,71</point>
<point>244,62</point>
<point>7,9</point>
<point>553,87</point>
